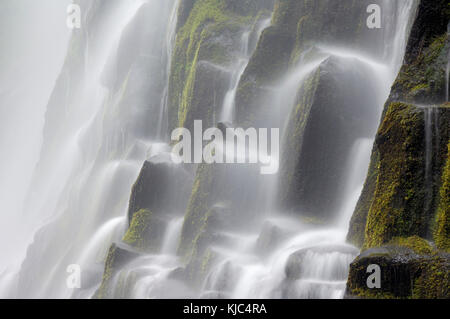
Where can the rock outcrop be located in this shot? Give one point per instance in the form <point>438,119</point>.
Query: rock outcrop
<point>334,108</point>
<point>399,198</point>
<point>404,203</point>
<point>409,269</point>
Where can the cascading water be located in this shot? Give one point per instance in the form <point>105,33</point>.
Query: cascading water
<point>302,260</point>
<point>109,124</point>
<point>238,71</point>
<point>95,140</point>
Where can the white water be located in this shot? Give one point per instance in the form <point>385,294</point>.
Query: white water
<point>90,161</point>
<point>95,149</point>
<point>228,108</point>
<point>26,82</point>
<point>242,269</point>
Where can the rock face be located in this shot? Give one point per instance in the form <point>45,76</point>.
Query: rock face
<point>145,231</point>
<point>207,41</point>
<point>442,228</point>
<point>401,193</point>
<point>117,257</point>
<point>405,273</point>
<point>297,26</point>
<point>160,187</point>
<point>405,197</point>
<point>334,108</point>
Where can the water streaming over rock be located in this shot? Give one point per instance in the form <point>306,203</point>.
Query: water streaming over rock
<point>96,136</point>
<point>230,97</point>
<point>114,96</point>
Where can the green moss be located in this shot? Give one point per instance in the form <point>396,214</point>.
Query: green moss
<point>104,288</point>
<point>434,280</point>
<point>199,40</point>
<point>398,203</point>
<point>417,244</point>
<point>442,231</point>
<point>116,258</point>
<point>197,209</point>
<point>422,80</point>
<point>405,272</point>
<point>356,234</point>
<point>144,231</point>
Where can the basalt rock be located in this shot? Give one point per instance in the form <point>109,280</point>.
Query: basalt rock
<point>406,272</point>
<point>145,232</point>
<point>297,26</point>
<point>401,196</point>
<point>328,117</point>
<point>118,256</point>
<point>162,187</point>
<point>208,39</point>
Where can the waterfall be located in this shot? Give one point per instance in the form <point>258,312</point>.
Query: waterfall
<point>170,39</point>
<point>26,82</point>
<point>238,70</point>
<point>96,136</point>
<point>108,114</point>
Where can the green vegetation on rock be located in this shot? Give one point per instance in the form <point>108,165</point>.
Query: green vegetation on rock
<point>145,231</point>
<point>442,231</point>
<point>205,43</point>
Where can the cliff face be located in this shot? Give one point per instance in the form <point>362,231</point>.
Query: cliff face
<point>405,200</point>
<point>406,191</point>
<point>208,40</point>
<point>332,108</point>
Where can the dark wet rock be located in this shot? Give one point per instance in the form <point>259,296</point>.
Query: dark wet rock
<point>146,231</point>
<point>162,186</point>
<point>405,273</point>
<point>334,108</point>
<point>297,27</point>
<point>118,256</point>
<point>208,39</point>
<point>399,198</point>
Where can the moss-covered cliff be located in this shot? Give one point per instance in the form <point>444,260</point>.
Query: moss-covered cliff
<point>297,27</point>
<point>404,202</point>
<point>442,226</point>
<point>393,202</point>
<point>410,268</point>
<point>207,42</point>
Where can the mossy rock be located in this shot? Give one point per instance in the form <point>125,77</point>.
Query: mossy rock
<point>395,197</point>
<point>405,197</point>
<point>442,227</point>
<point>400,198</point>
<point>422,77</point>
<point>418,272</point>
<point>269,62</point>
<point>297,26</point>
<point>328,117</point>
<point>118,256</point>
<point>145,232</point>
<point>207,42</point>
<point>161,187</point>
